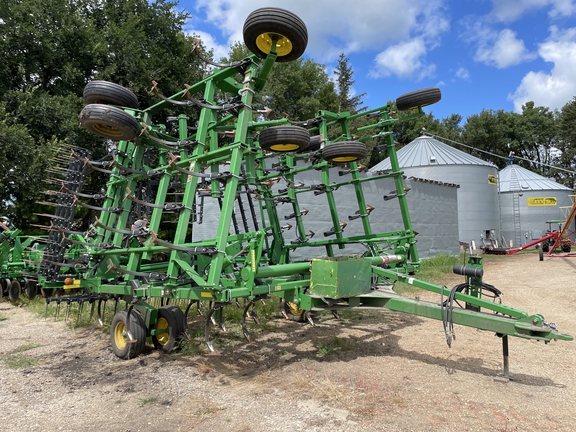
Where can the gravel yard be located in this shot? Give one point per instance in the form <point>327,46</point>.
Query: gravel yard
<point>368,372</point>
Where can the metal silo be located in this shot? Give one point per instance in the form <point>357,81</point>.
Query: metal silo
<point>478,206</point>
<point>527,201</point>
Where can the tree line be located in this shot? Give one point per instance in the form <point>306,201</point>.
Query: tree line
<point>52,48</point>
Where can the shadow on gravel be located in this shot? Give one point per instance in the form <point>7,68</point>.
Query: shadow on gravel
<point>91,363</point>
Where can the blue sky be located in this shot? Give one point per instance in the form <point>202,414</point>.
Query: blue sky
<point>483,54</point>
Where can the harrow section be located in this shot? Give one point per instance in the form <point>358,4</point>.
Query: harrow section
<point>202,197</point>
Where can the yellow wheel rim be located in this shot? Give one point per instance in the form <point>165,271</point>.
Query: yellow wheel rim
<point>110,131</point>
<point>163,338</point>
<point>283,45</point>
<point>294,309</point>
<point>343,159</point>
<point>120,335</point>
<point>284,147</point>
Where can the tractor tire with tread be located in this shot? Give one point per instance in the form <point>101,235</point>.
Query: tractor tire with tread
<point>344,152</point>
<point>109,122</point>
<point>121,347</point>
<point>172,323</point>
<point>422,97</point>
<point>104,92</point>
<point>14,291</point>
<point>282,139</point>
<point>265,23</point>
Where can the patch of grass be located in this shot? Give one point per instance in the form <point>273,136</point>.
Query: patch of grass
<point>432,270</point>
<point>26,347</point>
<point>20,361</point>
<point>148,400</point>
<point>3,318</point>
<point>333,346</point>
<point>192,348</point>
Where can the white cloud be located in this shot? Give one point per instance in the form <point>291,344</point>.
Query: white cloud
<point>502,50</point>
<point>511,10</point>
<point>403,60</point>
<point>556,88</point>
<point>463,74</point>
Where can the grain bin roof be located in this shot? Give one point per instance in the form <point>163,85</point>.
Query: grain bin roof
<point>426,151</point>
<point>515,178</point>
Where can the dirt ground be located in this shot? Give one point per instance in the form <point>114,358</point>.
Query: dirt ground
<point>375,372</point>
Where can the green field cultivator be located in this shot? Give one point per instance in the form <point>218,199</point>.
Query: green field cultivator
<point>20,258</point>
<point>199,205</point>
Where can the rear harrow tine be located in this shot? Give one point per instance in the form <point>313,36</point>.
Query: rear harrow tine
<point>92,305</point>
<point>68,304</point>
<point>57,308</point>
<point>80,307</point>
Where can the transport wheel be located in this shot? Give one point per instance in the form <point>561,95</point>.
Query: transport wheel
<point>315,142</point>
<point>14,291</point>
<point>109,122</point>
<point>119,340</point>
<point>541,254</point>
<point>284,139</point>
<point>31,289</point>
<point>343,152</point>
<point>4,285</point>
<point>104,92</point>
<point>265,25</point>
<point>423,97</point>
<point>46,292</point>
<point>566,247</point>
<point>293,312</point>
<point>172,323</point>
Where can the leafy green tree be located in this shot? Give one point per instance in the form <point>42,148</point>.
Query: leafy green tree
<point>567,143</point>
<point>51,49</point>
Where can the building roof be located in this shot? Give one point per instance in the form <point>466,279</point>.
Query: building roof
<point>515,178</point>
<point>427,151</point>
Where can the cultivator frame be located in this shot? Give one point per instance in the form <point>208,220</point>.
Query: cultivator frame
<point>144,244</point>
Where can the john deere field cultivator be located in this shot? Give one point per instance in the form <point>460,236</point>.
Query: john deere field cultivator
<point>154,237</point>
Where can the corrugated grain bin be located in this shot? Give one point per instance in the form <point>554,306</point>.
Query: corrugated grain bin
<point>478,204</point>
<point>527,201</point>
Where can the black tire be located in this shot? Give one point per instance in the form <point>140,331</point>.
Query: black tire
<point>119,338</point>
<point>4,286</point>
<point>171,322</point>
<point>104,92</point>
<point>284,139</point>
<point>423,97</point>
<point>30,289</point>
<point>344,152</point>
<point>180,317</point>
<point>14,291</point>
<point>109,122</point>
<point>541,254</point>
<point>566,247</point>
<point>46,292</point>
<point>545,246</point>
<point>315,143</point>
<point>264,24</point>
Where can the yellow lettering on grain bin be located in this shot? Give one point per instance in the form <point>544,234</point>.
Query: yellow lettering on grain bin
<point>542,201</point>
